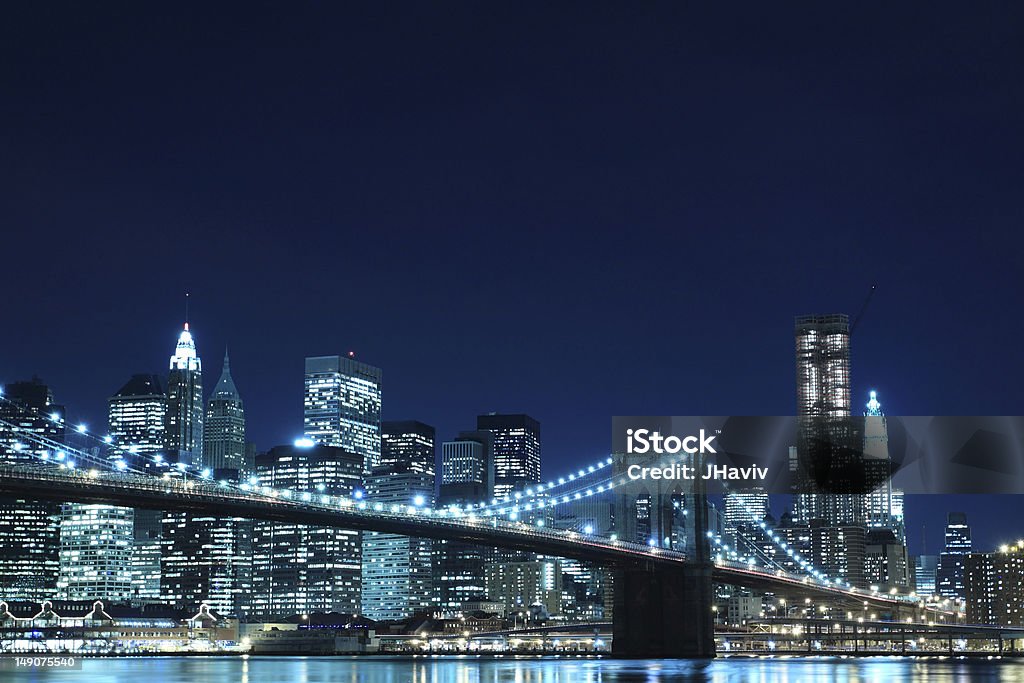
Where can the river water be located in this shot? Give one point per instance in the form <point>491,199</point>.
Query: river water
<point>522,670</point>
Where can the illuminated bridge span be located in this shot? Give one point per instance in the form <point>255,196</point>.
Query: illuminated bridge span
<point>662,595</point>
<point>646,577</point>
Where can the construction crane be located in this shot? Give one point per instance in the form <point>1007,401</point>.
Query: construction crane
<point>863,308</point>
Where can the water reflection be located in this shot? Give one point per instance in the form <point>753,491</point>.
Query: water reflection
<point>510,670</point>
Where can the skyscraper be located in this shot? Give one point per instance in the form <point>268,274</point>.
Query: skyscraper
<point>224,429</point>
<point>994,586</point>
<point>925,567</point>
<point>206,558</point>
<point>136,420</point>
<point>886,562</point>
<point>184,431</point>
<point>185,567</point>
<point>95,553</point>
<point>467,476</point>
<point>397,579</point>
<point>516,450</point>
<point>744,511</point>
<point>28,530</point>
<point>823,365</point>
<point>828,446</point>
<point>408,441</point>
<point>136,423</point>
<point>342,405</point>
<point>301,569</point>
<point>949,575</point>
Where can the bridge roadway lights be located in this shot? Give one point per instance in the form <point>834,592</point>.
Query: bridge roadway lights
<point>663,613</point>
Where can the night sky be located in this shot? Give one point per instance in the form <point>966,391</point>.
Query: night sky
<point>569,210</point>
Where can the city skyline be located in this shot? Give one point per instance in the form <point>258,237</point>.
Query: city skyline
<point>481,268</point>
<point>922,518</point>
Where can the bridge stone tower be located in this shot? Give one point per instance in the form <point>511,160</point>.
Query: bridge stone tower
<point>660,612</point>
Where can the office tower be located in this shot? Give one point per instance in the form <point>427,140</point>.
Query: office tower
<point>528,590</point>
<point>136,425</point>
<point>823,365</point>
<point>136,420</point>
<point>224,445</point>
<point>744,511</point>
<point>886,563</point>
<point>145,569</point>
<point>878,512</point>
<point>899,524</point>
<point>184,430</point>
<point>397,577</point>
<point>828,445</point>
<point>467,476</point>
<point>203,558</point>
<point>516,450</point>
<point>949,575</point>
<point>994,586</point>
<point>300,569</point>
<point>206,559</point>
<point>925,568</point>
<point>95,553</point>
<point>467,469</point>
<point>342,404</point>
<point>839,552</point>
<point>408,441</point>
<point>29,533</point>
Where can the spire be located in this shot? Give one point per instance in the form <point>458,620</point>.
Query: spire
<point>873,406</point>
<point>185,356</point>
<point>226,385</point>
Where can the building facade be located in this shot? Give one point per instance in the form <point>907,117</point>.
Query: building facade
<point>467,476</point>
<point>300,569</point>
<point>136,426</point>
<point>994,586</point>
<point>96,545</point>
<point>826,438</point>
<point>515,443</point>
<point>341,406</point>
<point>224,446</point>
<point>397,578</point>
<point>949,575</point>
<point>30,424</point>
<point>183,433</point>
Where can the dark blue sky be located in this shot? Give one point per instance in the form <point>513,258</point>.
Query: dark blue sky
<point>570,210</point>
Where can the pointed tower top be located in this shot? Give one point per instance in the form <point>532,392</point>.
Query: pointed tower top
<point>185,356</point>
<point>226,385</point>
<point>873,406</point>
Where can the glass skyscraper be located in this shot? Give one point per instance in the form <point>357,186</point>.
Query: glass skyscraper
<point>136,420</point>
<point>826,438</point>
<point>184,430</point>
<point>29,533</point>
<point>96,544</point>
<point>136,424</point>
<point>206,558</point>
<point>397,578</point>
<point>949,575</point>
<point>467,476</point>
<point>516,450</point>
<point>744,511</point>
<point>224,429</point>
<point>341,406</point>
<point>301,569</point>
